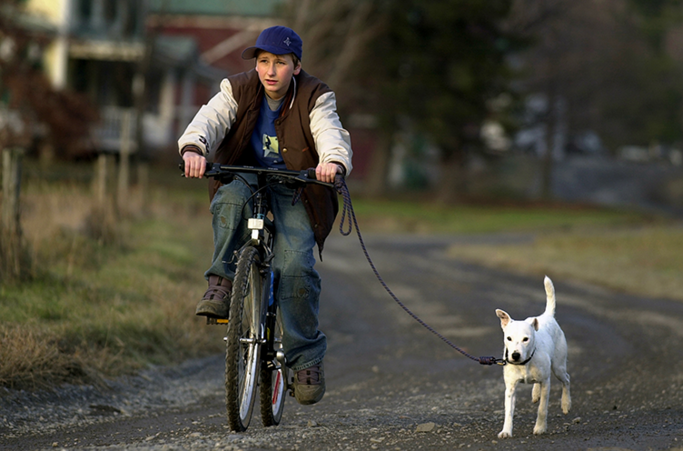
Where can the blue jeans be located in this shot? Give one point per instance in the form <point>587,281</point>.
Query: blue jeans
<point>297,283</point>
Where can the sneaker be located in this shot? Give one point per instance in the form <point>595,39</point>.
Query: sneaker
<point>216,300</point>
<point>309,384</point>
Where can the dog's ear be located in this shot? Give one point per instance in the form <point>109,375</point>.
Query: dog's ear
<point>535,323</point>
<point>504,318</point>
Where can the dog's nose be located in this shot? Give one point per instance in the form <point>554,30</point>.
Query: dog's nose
<point>516,356</point>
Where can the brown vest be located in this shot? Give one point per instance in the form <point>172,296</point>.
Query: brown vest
<point>294,136</point>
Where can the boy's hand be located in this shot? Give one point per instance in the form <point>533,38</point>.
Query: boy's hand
<point>325,172</point>
<point>195,165</point>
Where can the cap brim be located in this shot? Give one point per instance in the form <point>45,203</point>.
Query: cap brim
<point>250,52</point>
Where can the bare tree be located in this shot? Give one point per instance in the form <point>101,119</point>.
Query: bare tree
<point>336,34</point>
<point>596,69</point>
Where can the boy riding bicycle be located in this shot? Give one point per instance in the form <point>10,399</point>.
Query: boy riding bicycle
<point>275,116</point>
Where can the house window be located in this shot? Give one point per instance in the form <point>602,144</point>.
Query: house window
<point>132,25</point>
<point>110,11</point>
<point>85,10</point>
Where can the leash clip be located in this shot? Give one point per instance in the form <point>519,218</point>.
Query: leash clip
<point>484,360</point>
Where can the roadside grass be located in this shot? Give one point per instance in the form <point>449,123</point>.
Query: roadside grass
<point>625,250</point>
<point>97,308</point>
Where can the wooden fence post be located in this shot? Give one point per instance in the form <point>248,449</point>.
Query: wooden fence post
<point>102,221</point>
<point>101,181</point>
<point>124,162</point>
<point>12,259</point>
<point>11,184</point>
<point>143,183</point>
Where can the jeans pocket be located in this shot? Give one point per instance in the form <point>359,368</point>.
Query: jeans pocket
<point>298,279</point>
<point>226,215</point>
<point>226,211</point>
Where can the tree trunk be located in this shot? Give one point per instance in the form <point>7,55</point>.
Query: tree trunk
<point>453,179</point>
<point>376,178</point>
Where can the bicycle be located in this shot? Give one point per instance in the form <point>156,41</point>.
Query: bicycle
<point>254,352</point>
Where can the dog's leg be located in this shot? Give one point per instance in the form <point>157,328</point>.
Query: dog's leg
<point>536,393</point>
<point>566,395</point>
<point>510,398</point>
<point>560,372</point>
<point>542,418</point>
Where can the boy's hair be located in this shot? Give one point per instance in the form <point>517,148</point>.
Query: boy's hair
<point>294,57</point>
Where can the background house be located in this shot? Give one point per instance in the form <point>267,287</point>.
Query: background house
<point>140,81</point>
<point>219,31</point>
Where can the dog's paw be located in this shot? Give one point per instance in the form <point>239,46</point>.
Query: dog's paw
<point>505,434</point>
<point>538,430</point>
<point>566,401</point>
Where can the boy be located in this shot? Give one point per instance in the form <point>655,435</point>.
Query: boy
<point>275,115</point>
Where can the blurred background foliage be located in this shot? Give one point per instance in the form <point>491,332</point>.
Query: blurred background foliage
<point>475,81</point>
<point>609,69</point>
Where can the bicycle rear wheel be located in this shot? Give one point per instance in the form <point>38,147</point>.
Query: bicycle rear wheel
<point>243,346</point>
<point>273,390</point>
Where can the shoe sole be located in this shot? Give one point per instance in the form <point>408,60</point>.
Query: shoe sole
<point>211,310</point>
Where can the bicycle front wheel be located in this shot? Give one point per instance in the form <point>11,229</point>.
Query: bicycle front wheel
<point>243,346</point>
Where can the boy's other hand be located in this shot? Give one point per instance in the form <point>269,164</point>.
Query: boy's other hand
<point>195,165</point>
<point>325,172</point>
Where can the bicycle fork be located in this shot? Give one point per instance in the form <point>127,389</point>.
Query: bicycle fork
<point>274,355</point>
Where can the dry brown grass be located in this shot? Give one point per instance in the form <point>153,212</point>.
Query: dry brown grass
<point>646,260</point>
<point>106,296</point>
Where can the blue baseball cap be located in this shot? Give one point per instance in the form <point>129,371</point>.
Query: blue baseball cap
<point>277,40</point>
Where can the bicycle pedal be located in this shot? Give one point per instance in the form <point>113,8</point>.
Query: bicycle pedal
<point>215,321</point>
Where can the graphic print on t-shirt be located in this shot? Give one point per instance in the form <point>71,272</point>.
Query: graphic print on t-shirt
<point>271,146</point>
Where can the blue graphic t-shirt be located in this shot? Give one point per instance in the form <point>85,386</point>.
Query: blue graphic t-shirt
<point>264,139</point>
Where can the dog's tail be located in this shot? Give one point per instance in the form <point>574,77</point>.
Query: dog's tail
<point>550,296</point>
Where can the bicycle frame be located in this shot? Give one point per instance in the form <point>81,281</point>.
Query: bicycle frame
<point>266,359</point>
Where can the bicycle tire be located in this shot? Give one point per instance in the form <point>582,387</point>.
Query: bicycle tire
<point>243,345</point>
<point>273,389</point>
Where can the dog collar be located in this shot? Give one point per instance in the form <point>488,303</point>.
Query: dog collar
<point>520,363</point>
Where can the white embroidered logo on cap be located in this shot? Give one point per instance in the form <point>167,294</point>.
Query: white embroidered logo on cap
<point>287,42</point>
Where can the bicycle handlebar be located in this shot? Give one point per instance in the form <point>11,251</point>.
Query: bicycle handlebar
<point>305,176</point>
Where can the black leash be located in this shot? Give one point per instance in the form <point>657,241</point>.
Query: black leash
<point>349,215</point>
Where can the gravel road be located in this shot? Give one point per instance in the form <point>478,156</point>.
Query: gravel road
<point>392,385</point>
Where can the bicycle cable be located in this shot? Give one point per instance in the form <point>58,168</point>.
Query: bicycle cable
<point>349,215</point>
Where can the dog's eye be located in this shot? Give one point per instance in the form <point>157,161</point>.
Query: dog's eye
<point>525,339</point>
<point>509,338</point>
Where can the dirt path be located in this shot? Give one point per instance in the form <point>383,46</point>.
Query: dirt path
<point>388,377</point>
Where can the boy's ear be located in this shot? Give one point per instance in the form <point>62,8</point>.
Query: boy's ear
<point>297,69</point>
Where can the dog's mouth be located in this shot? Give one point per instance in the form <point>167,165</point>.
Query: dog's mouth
<point>516,356</point>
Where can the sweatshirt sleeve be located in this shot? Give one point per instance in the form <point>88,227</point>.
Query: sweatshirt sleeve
<point>332,141</point>
<point>212,122</point>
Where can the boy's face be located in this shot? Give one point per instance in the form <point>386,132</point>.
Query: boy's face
<point>276,72</point>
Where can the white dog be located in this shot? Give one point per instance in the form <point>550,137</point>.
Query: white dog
<point>533,348</point>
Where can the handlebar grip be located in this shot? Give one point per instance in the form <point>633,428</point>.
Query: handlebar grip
<point>311,174</point>
<point>181,166</point>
